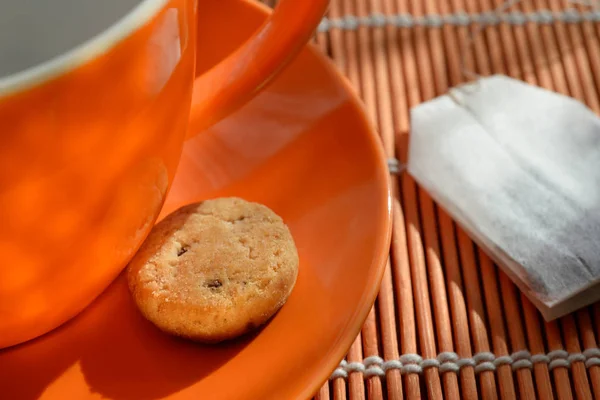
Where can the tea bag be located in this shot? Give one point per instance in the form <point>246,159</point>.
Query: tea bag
<point>518,168</point>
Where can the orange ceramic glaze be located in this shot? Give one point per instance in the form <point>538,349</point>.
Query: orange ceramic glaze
<point>90,143</point>
<point>303,147</point>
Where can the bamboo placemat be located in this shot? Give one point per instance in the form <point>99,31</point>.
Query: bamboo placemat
<point>447,323</point>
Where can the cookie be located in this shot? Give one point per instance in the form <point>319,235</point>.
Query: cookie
<point>214,270</point>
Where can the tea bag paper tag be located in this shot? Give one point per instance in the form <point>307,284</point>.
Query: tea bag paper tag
<point>518,167</point>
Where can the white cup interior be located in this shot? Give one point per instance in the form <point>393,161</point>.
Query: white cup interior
<point>34,31</point>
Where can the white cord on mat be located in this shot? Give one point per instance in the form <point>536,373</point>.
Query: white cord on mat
<point>490,18</point>
<point>451,362</point>
<point>480,20</point>
<point>394,166</point>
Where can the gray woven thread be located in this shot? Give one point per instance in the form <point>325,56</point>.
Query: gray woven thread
<point>395,167</point>
<point>489,18</point>
<point>451,362</point>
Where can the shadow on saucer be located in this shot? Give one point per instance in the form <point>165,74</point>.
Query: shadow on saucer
<point>120,355</point>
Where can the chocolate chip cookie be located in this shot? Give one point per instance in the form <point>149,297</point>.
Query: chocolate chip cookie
<point>214,270</point>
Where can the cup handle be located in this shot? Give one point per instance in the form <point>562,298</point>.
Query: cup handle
<point>236,79</point>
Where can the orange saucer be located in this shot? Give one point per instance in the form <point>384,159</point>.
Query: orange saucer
<point>304,148</point>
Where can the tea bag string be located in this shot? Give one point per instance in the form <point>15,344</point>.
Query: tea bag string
<point>460,18</point>
<point>499,13</point>
<point>588,3</point>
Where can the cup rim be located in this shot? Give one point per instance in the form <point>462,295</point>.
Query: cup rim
<point>83,53</point>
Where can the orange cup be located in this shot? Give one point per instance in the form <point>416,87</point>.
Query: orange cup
<point>90,141</point>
